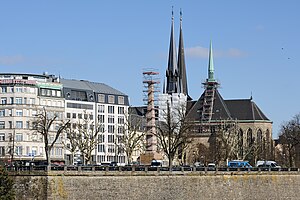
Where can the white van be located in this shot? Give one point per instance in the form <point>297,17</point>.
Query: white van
<point>267,163</point>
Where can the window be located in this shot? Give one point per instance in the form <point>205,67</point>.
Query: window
<point>91,117</point>
<point>111,148</point>
<point>2,151</point>
<point>18,100</point>
<point>34,151</point>
<point>2,136</point>
<point>11,100</point>
<point>19,113</point>
<point>69,115</point>
<point>120,129</point>
<point>19,137</point>
<point>2,113</point>
<point>120,119</point>
<point>19,89</point>
<point>79,116</point>
<point>101,138</point>
<point>19,150</point>
<point>111,119</point>
<point>111,129</point>
<point>58,93</point>
<point>4,89</point>
<point>19,124</point>
<point>3,100</point>
<point>32,101</point>
<point>2,125</point>
<point>74,115</point>
<point>10,124</point>
<point>58,151</point>
<point>120,100</point>
<point>101,98</point>
<point>101,118</point>
<point>101,148</point>
<point>12,89</point>
<point>121,110</point>
<point>111,109</point>
<point>111,139</point>
<point>101,108</point>
<point>111,99</point>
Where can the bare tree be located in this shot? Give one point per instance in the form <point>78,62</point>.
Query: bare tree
<point>173,132</point>
<point>43,123</point>
<point>290,140</point>
<point>227,140</point>
<point>86,137</point>
<point>133,135</point>
<point>72,142</point>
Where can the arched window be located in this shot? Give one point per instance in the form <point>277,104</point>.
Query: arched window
<point>240,142</point>
<point>249,137</point>
<point>259,141</point>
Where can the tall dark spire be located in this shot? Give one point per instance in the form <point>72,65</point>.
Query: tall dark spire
<point>181,63</point>
<point>172,71</point>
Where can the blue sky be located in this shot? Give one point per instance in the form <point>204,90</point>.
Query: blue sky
<point>256,45</point>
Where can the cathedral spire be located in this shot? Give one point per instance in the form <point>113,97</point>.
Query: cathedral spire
<point>172,71</point>
<point>211,65</point>
<point>181,63</point>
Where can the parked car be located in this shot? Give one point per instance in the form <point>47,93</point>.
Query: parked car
<point>238,164</point>
<point>267,163</point>
<point>156,163</point>
<point>198,164</point>
<point>211,166</point>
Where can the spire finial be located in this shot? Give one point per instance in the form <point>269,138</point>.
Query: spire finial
<point>211,64</point>
<point>180,14</point>
<point>172,12</point>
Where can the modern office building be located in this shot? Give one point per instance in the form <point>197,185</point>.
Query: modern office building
<point>102,106</point>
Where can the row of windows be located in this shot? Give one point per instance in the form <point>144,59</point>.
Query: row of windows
<point>79,116</point>
<point>30,151</point>
<point>102,158</point>
<point>110,109</point>
<point>110,138</point>
<point>5,89</point>
<point>50,92</point>
<point>17,100</point>
<point>111,99</point>
<point>111,148</point>
<point>24,125</point>
<point>19,137</point>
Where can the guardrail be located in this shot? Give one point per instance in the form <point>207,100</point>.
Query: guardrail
<point>146,169</point>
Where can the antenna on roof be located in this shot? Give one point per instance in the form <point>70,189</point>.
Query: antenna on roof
<point>251,96</point>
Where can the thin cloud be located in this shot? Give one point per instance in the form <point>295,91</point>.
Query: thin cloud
<point>202,52</point>
<point>11,60</point>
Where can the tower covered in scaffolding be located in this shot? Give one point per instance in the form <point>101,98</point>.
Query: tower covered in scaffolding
<point>151,88</point>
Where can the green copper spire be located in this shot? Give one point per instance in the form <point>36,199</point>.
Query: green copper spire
<point>211,65</point>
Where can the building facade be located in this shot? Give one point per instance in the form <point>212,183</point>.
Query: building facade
<point>24,96</point>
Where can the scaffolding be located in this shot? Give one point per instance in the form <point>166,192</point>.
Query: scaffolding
<point>208,100</point>
<point>151,88</point>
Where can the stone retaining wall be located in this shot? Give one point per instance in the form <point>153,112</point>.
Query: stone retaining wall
<point>152,186</point>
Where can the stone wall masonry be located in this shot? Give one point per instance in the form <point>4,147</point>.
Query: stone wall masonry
<point>135,186</point>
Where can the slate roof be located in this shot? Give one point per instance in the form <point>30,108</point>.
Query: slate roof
<point>245,109</point>
<point>90,86</point>
<point>240,109</point>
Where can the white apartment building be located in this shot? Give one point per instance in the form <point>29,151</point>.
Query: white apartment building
<point>23,96</point>
<point>102,105</point>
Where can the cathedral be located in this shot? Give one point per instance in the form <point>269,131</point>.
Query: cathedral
<point>237,127</point>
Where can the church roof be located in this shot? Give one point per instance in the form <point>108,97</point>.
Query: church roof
<point>245,109</point>
<point>239,109</point>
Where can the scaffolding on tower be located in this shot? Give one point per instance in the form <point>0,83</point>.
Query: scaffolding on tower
<point>151,84</point>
